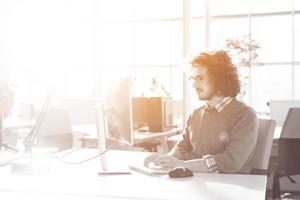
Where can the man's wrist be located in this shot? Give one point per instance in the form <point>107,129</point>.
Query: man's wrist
<point>211,164</point>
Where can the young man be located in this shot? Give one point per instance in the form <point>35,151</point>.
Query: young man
<point>221,135</point>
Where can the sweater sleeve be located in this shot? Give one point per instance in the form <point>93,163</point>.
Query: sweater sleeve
<point>242,142</point>
<point>183,147</point>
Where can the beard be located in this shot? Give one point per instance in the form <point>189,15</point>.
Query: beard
<point>205,95</point>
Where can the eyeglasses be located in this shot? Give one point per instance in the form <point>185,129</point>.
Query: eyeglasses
<point>195,78</point>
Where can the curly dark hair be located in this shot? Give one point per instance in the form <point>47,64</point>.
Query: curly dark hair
<point>221,71</point>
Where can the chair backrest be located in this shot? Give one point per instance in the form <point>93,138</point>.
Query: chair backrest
<point>289,143</point>
<point>291,126</point>
<point>56,122</point>
<point>280,108</point>
<point>56,130</point>
<point>266,128</point>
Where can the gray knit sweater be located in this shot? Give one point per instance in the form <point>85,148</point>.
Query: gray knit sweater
<point>228,136</point>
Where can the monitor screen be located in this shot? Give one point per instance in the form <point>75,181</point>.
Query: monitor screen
<point>119,115</point>
<point>280,108</point>
<point>291,126</point>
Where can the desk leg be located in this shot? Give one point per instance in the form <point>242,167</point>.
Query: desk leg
<point>164,144</point>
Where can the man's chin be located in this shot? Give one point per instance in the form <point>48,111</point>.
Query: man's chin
<point>202,98</point>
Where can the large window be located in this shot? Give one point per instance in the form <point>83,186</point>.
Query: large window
<point>80,46</point>
<point>86,44</point>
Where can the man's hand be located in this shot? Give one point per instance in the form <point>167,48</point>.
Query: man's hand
<point>163,160</point>
<point>150,159</point>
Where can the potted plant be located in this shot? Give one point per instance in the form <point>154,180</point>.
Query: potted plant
<point>243,51</point>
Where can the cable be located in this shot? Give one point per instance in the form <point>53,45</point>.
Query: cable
<point>70,152</point>
<point>91,158</point>
<point>76,149</point>
<point>7,162</point>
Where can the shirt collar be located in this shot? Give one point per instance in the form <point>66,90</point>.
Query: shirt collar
<point>220,105</point>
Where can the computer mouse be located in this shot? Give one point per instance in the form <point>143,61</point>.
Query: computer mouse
<point>180,172</point>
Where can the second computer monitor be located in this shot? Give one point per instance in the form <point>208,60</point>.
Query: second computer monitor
<point>291,126</point>
<point>154,112</point>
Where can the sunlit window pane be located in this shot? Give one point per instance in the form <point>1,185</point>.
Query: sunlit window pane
<point>153,43</point>
<point>221,7</point>
<point>153,9</point>
<point>275,36</point>
<point>176,83</point>
<point>116,9</point>
<point>176,42</point>
<point>278,84</point>
<point>223,29</point>
<point>296,5</point>
<point>79,83</point>
<point>38,38</point>
<point>297,81</point>
<point>197,8</point>
<point>258,6</point>
<point>197,39</point>
<point>297,37</point>
<point>115,44</point>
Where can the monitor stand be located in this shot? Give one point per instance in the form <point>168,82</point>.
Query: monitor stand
<point>101,140</point>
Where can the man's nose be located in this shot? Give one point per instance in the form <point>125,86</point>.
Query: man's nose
<point>195,84</point>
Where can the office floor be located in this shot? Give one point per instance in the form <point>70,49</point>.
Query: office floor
<point>288,196</point>
<point>284,195</point>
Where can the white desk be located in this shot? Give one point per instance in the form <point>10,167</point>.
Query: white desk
<point>81,182</point>
<point>90,132</point>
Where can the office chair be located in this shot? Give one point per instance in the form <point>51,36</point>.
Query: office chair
<point>288,151</point>
<point>260,160</point>
<point>55,130</point>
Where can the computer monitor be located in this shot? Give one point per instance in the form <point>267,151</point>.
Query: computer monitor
<point>280,108</point>
<point>118,111</point>
<point>291,126</point>
<point>114,120</point>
